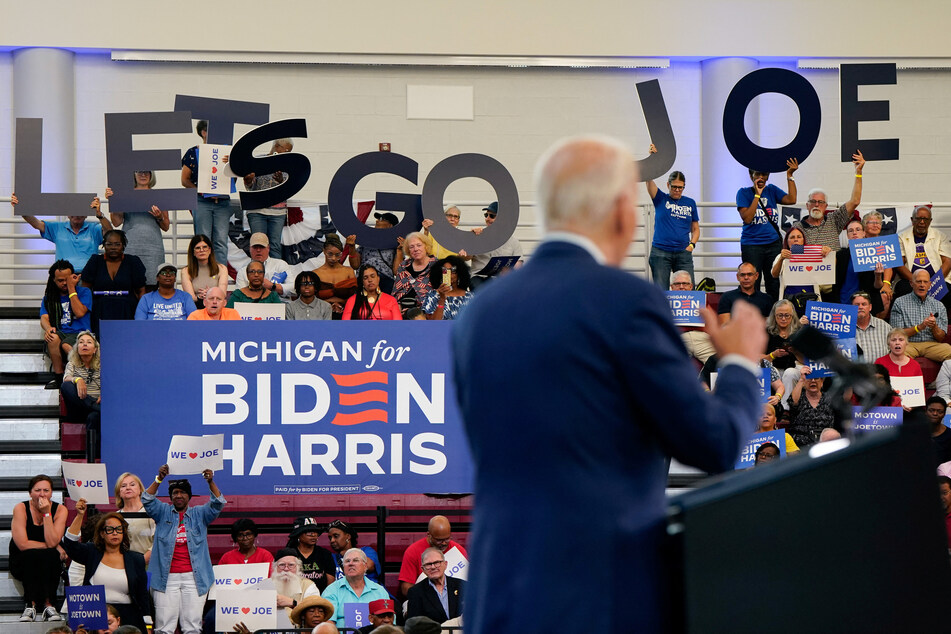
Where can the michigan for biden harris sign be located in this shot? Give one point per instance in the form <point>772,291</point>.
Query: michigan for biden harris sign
<point>304,406</point>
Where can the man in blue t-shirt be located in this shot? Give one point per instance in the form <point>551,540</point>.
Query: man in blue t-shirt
<point>761,241</point>
<point>676,229</point>
<point>76,240</point>
<point>64,313</point>
<point>166,303</point>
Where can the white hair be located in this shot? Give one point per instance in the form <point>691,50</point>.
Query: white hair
<point>356,551</point>
<point>817,190</point>
<point>278,142</point>
<point>872,214</point>
<point>679,273</point>
<point>578,179</point>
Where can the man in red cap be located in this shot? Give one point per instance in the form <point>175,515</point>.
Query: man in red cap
<point>381,612</point>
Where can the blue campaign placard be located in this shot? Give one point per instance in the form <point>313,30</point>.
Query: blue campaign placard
<point>764,384</point>
<point>498,264</point>
<point>876,418</point>
<point>938,288</point>
<point>305,407</point>
<point>838,322</point>
<point>355,615</point>
<point>87,607</point>
<point>868,252</point>
<point>685,307</point>
<point>748,455</point>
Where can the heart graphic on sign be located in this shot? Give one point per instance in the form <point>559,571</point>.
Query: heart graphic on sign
<point>79,483</point>
<point>808,268</point>
<point>245,610</point>
<point>193,455</point>
<point>237,582</point>
<point>214,170</point>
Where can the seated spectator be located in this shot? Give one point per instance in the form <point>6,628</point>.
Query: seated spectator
<point>748,290</point>
<point>415,314</point>
<point>343,537</point>
<point>421,625</point>
<point>276,275</point>
<point>848,281</point>
<point>811,410</point>
<point>311,612</point>
<point>511,247</point>
<point>385,261</point>
<point>371,302</point>
<point>307,305</point>
<point>203,271</point>
<point>82,391</point>
<point>924,320</point>
<point>292,586</point>
<point>935,409</point>
<point>781,325</point>
<point>438,535</point>
<point>354,587</point>
<point>412,280</point>
<point>871,333</point>
<point>944,489</point>
<point>64,313</point>
<point>897,361</point>
<point>380,612</point>
<point>76,240</point>
<point>117,280</point>
<point>255,292</point>
<point>110,562</point>
<point>144,230</point>
<point>167,303</point>
<point>794,237</point>
<point>768,423</point>
<point>695,338</point>
<point>214,309</point>
<point>37,526</point>
<point>828,434</point>
<point>244,534</point>
<point>128,496</point>
<point>891,398</point>
<point>447,299</point>
<point>270,220</point>
<point>318,564</point>
<point>765,453</point>
<point>337,282</point>
<point>923,247</point>
<point>437,596</point>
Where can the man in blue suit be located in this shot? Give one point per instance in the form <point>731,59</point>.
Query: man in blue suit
<point>575,388</point>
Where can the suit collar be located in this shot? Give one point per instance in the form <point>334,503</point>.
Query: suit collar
<point>578,240</point>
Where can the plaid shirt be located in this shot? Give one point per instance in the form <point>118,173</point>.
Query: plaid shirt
<point>909,310</point>
<point>873,340</point>
<point>826,233</point>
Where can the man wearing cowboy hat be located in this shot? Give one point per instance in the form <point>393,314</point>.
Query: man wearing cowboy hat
<point>311,612</point>
<point>381,612</point>
<point>437,596</point>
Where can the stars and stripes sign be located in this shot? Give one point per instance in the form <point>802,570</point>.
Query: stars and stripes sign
<point>805,253</point>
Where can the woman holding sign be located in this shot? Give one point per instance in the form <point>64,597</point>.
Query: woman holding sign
<point>849,281</point>
<point>811,410</point>
<point>112,564</point>
<point>897,362</point>
<point>794,238</point>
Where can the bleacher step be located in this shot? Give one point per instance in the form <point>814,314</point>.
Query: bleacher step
<point>17,465</point>
<point>21,329</point>
<point>22,345</point>
<point>28,395</point>
<point>24,362</point>
<point>30,428</point>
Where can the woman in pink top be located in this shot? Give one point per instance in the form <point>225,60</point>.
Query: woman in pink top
<point>896,361</point>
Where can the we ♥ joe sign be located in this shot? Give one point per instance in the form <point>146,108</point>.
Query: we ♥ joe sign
<point>238,577</point>
<point>87,481</point>
<point>188,455</point>
<point>255,608</point>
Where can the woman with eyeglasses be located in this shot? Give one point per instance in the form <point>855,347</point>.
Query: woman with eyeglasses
<point>794,237</point>
<point>338,283</point>
<point>676,228</point>
<point>449,278</point>
<point>203,270</point>
<point>811,410</point>
<point>781,325</point>
<point>117,280</point>
<point>244,534</point>
<point>343,537</point>
<point>371,302</point>
<point>144,230</point>
<point>848,281</point>
<point>412,280</point>
<point>111,563</point>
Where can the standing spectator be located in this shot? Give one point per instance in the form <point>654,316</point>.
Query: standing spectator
<point>255,292</point>
<point>76,240</point>
<point>343,537</point>
<point>167,303</point>
<point>212,213</point>
<point>276,278</point>
<point>318,564</point>
<point>897,361</point>
<point>307,305</point>
<point>811,410</point>
<point>510,248</point>
<point>848,280</point>
<point>128,496</point>
<point>117,280</point>
<point>110,562</point>
<point>181,571</point>
<point>144,230</point>
<point>449,278</point>
<point>871,333</point>
<point>824,229</point>
<point>244,534</point>
<point>676,228</point>
<point>438,535</point>
<point>203,271</point>
<point>270,221</point>
<point>371,302</point>
<point>748,277</point>
<point>35,555</point>
<point>354,587</point>
<point>337,282</point>
<point>760,240</point>
<point>82,390</point>
<point>437,596</point>
<point>385,261</point>
<point>215,309</point>
<point>412,281</point>
<point>64,313</point>
<point>924,320</point>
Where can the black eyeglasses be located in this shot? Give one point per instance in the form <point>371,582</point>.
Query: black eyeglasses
<point>489,215</point>
<point>434,564</point>
<point>448,269</point>
<point>921,219</point>
<point>167,272</point>
<point>111,530</point>
<point>676,188</point>
<point>307,283</point>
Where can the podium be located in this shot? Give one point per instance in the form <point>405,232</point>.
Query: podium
<point>848,541</point>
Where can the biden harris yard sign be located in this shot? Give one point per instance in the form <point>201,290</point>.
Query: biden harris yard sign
<point>304,406</point>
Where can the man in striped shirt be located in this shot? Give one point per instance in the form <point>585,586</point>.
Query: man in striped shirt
<point>822,229</point>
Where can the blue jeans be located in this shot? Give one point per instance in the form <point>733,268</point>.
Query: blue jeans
<point>663,263</point>
<point>273,226</point>
<point>761,256</point>
<point>211,218</point>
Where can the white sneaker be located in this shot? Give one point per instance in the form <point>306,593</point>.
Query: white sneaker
<point>28,615</point>
<point>50,614</point>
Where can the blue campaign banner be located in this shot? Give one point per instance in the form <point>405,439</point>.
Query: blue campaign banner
<point>305,407</point>
<point>685,307</point>
<point>356,615</point>
<point>938,288</point>
<point>876,418</point>
<point>868,252</point>
<point>87,607</point>
<point>838,322</point>
<point>748,455</point>
<point>765,391</point>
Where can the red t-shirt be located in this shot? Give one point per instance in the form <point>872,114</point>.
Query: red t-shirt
<point>412,565</point>
<point>260,556</point>
<point>181,560</point>
<point>909,369</point>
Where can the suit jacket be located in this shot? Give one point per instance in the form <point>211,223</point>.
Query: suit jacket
<point>423,600</point>
<point>90,556</point>
<point>574,388</point>
<point>866,282</point>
